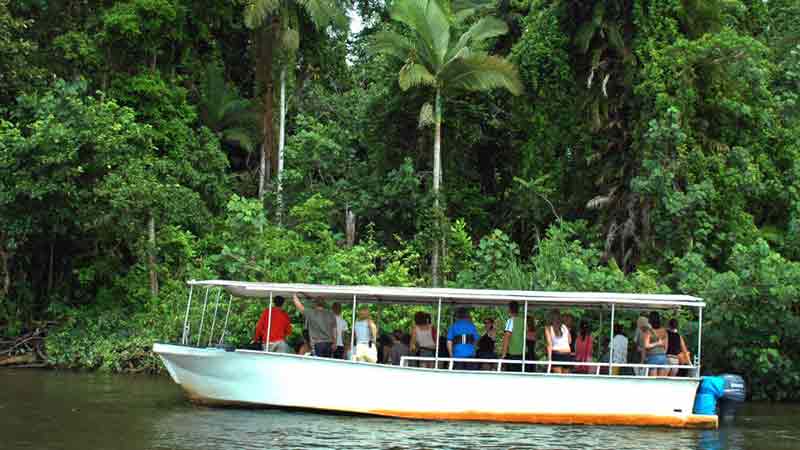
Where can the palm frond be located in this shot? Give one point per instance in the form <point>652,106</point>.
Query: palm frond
<point>223,111</point>
<point>214,97</point>
<point>430,23</point>
<point>290,39</point>
<point>413,74</point>
<point>481,72</point>
<point>615,38</point>
<point>257,11</point>
<point>485,28</point>
<point>458,7</point>
<point>391,44</point>
<point>583,37</point>
<point>459,17</point>
<point>241,137</point>
<point>324,13</point>
<point>239,111</point>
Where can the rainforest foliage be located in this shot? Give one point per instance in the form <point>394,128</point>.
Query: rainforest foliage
<point>653,146</point>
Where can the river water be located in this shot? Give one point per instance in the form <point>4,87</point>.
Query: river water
<point>46,410</point>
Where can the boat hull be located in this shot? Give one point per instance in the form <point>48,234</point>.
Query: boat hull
<point>242,377</point>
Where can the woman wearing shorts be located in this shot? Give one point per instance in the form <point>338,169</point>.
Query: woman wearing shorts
<point>675,346</point>
<point>558,343</point>
<point>655,349</point>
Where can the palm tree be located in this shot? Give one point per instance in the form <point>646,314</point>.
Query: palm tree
<point>432,59</point>
<point>231,117</point>
<point>275,25</point>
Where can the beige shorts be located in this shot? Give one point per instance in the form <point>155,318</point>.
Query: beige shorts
<point>279,347</point>
<point>366,353</point>
<point>672,360</point>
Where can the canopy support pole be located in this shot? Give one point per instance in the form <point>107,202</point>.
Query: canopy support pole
<point>353,331</point>
<point>611,344</point>
<point>269,323</point>
<point>202,317</point>
<point>225,327</point>
<point>524,335</point>
<point>438,332</point>
<point>699,337</point>
<point>214,320</point>
<point>599,350</point>
<point>185,336</point>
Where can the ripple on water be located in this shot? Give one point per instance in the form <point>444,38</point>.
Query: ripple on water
<point>68,411</point>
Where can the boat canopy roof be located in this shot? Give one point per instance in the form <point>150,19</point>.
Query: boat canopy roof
<point>467,297</point>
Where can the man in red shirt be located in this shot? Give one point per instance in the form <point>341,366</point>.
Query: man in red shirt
<point>279,330</point>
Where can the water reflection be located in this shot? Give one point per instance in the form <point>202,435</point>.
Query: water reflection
<point>67,411</point>
<point>235,429</point>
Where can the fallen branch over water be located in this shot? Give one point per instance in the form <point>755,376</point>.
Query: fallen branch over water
<point>26,351</point>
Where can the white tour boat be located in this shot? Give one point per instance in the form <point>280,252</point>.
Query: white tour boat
<point>212,374</point>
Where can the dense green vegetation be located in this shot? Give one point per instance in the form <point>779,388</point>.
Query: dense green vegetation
<point>653,147</point>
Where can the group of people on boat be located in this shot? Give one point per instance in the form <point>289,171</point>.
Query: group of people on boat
<point>326,334</point>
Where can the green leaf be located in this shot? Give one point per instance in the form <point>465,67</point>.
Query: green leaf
<point>413,74</point>
<point>257,11</point>
<point>290,39</point>
<point>480,72</point>
<point>485,28</point>
<point>391,44</point>
<point>428,21</point>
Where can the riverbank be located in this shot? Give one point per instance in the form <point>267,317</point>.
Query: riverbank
<point>26,350</point>
<point>107,341</point>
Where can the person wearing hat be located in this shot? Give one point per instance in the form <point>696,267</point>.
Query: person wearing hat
<point>321,325</point>
<point>652,346</point>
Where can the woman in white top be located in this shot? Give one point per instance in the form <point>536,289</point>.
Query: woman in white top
<point>558,342</point>
<point>365,333</point>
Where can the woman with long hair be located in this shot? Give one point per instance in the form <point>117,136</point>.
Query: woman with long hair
<point>654,346</point>
<point>676,347</point>
<point>583,347</point>
<point>558,342</point>
<point>423,338</point>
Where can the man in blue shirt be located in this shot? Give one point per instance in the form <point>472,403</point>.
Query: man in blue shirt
<point>461,339</point>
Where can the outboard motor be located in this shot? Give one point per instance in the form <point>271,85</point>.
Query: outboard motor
<point>733,396</point>
<point>728,389</point>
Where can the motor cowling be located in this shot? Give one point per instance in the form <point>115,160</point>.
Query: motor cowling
<point>728,390</point>
<point>734,394</point>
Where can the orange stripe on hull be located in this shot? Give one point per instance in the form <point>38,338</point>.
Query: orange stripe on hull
<point>692,421</point>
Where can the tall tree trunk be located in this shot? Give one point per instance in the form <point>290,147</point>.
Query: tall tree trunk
<point>264,43</point>
<point>350,227</point>
<point>50,267</point>
<point>281,143</point>
<point>151,254</point>
<point>437,179</point>
<point>5,258</point>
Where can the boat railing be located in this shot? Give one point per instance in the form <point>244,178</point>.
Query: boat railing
<point>404,362</point>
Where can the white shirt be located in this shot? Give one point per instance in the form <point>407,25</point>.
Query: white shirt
<point>560,343</point>
<point>620,346</point>
<point>509,325</point>
<point>341,327</point>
